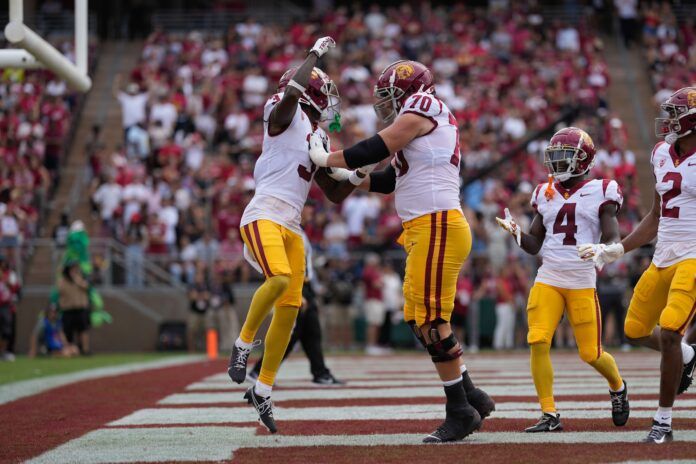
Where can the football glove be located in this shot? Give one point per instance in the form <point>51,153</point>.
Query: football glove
<point>600,254</point>
<point>317,152</point>
<point>358,176</point>
<point>321,46</point>
<point>511,226</point>
<point>339,174</point>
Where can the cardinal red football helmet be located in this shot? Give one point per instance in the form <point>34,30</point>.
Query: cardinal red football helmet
<point>321,92</point>
<point>681,109</point>
<point>570,153</point>
<point>396,83</point>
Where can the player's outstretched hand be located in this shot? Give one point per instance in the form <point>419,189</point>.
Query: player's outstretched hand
<point>511,226</point>
<point>600,253</point>
<point>339,174</point>
<point>321,46</point>
<point>317,152</point>
<point>358,176</point>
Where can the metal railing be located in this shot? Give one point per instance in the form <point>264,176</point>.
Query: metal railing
<point>115,265</point>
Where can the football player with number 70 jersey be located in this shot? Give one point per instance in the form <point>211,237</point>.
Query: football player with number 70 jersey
<point>666,292</point>
<point>571,210</point>
<point>270,225</point>
<point>424,177</point>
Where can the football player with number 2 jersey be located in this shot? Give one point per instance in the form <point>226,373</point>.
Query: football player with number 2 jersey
<point>666,292</point>
<point>571,210</point>
<point>270,225</point>
<point>424,176</point>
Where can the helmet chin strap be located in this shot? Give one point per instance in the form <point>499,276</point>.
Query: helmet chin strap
<point>672,137</point>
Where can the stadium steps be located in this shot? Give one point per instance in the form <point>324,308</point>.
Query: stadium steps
<point>72,194</point>
<point>630,98</point>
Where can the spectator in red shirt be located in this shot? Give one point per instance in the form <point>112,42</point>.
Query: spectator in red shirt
<point>374,305</point>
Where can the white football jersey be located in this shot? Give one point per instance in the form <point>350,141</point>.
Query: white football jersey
<point>571,217</point>
<point>676,185</point>
<point>283,173</point>
<point>427,169</point>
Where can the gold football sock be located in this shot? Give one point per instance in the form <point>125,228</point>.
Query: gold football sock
<point>276,343</point>
<point>606,365</point>
<point>261,305</point>
<point>542,373</point>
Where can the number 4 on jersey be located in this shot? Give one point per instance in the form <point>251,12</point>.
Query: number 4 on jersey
<point>566,214</point>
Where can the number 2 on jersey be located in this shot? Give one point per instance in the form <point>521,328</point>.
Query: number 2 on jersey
<point>566,214</point>
<point>675,191</point>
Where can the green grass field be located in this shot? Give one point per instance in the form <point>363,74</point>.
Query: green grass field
<point>27,368</point>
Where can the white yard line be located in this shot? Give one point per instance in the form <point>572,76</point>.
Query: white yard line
<point>17,390</point>
<point>243,414</point>
<point>212,443</point>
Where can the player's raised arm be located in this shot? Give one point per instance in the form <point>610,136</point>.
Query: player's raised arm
<point>380,146</point>
<point>281,116</point>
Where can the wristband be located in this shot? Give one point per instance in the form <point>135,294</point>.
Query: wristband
<point>355,178</point>
<point>294,84</point>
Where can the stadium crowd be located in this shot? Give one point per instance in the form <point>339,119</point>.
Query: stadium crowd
<point>193,128</point>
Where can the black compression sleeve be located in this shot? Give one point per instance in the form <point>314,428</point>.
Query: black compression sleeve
<point>368,151</point>
<point>383,181</point>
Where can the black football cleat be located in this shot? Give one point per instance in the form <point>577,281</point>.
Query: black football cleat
<point>547,423</point>
<point>620,408</point>
<point>687,374</point>
<point>263,406</point>
<point>237,367</point>
<point>659,434</point>
<point>327,380</point>
<point>480,400</point>
<point>457,425</point>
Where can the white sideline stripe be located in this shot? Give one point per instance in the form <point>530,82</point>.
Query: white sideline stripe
<point>218,443</point>
<point>402,392</point>
<point>598,383</point>
<point>17,390</point>
<point>232,415</point>
<point>601,403</point>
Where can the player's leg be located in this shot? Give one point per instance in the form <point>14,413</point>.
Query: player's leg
<point>649,297</point>
<point>675,318</point>
<point>265,240</point>
<point>280,330</point>
<point>544,311</point>
<point>437,246</point>
<point>585,318</point>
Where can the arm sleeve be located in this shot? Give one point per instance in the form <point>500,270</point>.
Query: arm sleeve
<point>383,181</point>
<point>368,151</point>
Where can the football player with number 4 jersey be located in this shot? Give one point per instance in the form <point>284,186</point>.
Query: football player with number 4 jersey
<point>666,292</point>
<point>571,210</point>
<point>270,225</point>
<point>424,176</point>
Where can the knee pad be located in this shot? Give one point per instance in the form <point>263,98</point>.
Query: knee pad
<point>677,313</point>
<point>588,354</point>
<point>441,349</point>
<point>278,284</point>
<point>633,328</point>
<point>417,332</point>
<point>538,336</point>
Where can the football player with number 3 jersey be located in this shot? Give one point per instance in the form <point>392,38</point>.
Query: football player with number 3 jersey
<point>424,176</point>
<point>270,225</point>
<point>666,292</point>
<point>571,210</point>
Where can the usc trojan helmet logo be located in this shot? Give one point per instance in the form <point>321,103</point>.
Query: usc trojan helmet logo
<point>691,99</point>
<point>586,139</point>
<point>403,71</point>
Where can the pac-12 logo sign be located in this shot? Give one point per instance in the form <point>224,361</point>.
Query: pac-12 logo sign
<point>404,71</point>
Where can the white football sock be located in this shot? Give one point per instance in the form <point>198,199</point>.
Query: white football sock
<point>664,415</point>
<point>262,389</point>
<point>449,383</point>
<point>244,345</point>
<point>687,353</point>
<point>623,387</point>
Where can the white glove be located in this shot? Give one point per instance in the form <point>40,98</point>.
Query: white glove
<point>511,226</point>
<point>321,46</point>
<point>317,152</point>
<point>358,176</point>
<point>600,253</point>
<point>339,174</point>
